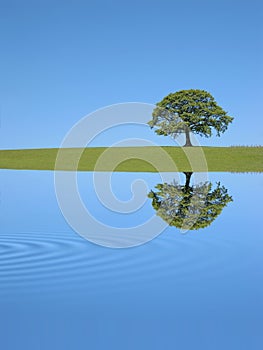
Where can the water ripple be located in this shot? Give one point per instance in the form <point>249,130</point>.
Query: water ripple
<point>45,261</point>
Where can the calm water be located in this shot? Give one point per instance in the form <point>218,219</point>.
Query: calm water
<point>201,290</point>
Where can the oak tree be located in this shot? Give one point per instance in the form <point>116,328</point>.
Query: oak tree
<point>189,111</point>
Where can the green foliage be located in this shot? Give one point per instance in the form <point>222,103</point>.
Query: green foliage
<point>189,110</point>
<point>189,207</point>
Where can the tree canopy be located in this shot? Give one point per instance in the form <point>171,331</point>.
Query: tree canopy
<point>189,207</point>
<point>188,111</point>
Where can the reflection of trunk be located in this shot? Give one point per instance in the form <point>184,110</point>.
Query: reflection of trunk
<point>187,180</point>
<point>187,194</point>
<point>187,137</point>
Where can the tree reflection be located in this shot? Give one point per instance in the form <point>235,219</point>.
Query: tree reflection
<point>189,207</point>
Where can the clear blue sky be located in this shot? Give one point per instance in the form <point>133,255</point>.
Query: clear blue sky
<point>61,60</point>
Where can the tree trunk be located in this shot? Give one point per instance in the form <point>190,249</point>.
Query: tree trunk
<point>187,179</point>
<point>187,137</point>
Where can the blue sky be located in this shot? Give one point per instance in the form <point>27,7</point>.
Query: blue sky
<point>61,60</point>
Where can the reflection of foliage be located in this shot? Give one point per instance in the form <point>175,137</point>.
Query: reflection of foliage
<point>189,207</point>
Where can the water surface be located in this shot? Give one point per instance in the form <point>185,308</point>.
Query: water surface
<point>202,289</point>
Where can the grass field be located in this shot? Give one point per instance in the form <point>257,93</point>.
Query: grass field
<point>138,159</point>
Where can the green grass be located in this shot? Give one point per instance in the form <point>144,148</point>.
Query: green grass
<point>233,159</point>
